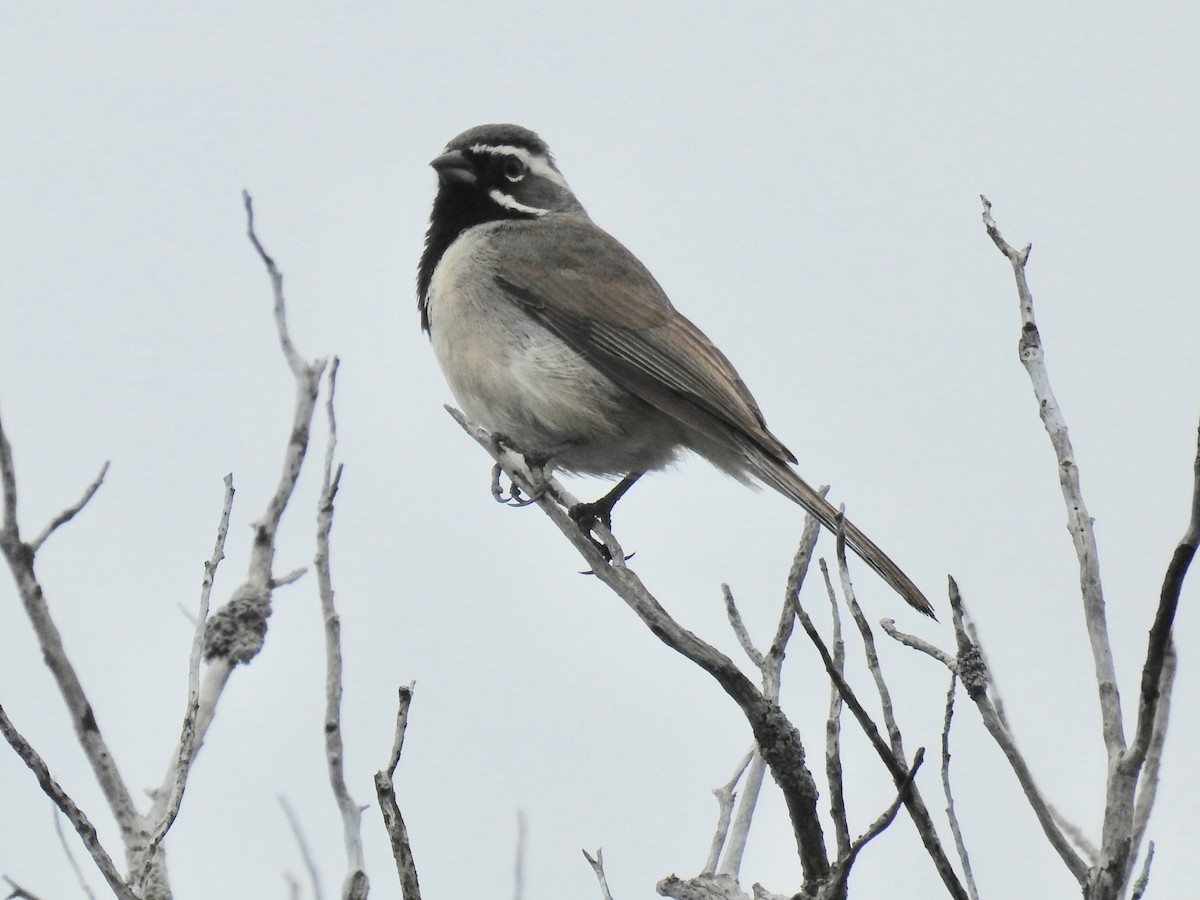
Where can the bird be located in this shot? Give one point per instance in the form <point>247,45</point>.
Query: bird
<point>556,338</point>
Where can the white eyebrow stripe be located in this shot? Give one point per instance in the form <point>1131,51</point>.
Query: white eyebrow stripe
<point>509,203</point>
<point>539,165</point>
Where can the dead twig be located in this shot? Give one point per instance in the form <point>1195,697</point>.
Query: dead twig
<point>393,821</point>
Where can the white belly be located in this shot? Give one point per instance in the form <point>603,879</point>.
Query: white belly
<point>513,376</point>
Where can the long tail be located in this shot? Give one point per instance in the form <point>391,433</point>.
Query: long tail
<point>784,479</point>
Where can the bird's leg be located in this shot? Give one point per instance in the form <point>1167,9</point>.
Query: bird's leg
<point>600,510</point>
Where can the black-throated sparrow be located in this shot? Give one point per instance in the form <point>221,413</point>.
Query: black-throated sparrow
<point>552,334</point>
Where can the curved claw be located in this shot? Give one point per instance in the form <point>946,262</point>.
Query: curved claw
<point>604,550</point>
<point>514,496</point>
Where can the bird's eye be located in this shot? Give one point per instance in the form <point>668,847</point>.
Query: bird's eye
<point>514,168</point>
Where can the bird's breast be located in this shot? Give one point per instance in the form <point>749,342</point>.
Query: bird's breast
<point>514,376</point>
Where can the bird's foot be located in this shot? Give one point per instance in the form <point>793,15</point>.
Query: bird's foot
<point>514,495</point>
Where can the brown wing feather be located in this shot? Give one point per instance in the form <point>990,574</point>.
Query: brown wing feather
<point>580,282</point>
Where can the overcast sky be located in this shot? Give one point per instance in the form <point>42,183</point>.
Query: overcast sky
<point>804,181</point>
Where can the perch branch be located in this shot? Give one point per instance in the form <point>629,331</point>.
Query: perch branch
<point>774,734</point>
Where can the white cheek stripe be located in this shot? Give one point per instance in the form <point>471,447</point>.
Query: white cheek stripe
<point>509,203</point>
<point>538,165</point>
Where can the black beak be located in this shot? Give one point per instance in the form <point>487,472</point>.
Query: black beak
<point>454,167</point>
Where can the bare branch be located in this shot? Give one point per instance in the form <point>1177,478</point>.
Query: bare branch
<point>20,557</point>
<point>393,821</point>
<point>787,616</point>
<point>355,884</point>
<point>833,729</point>
<point>846,863</point>
<point>868,638</point>
<point>70,512</point>
<point>18,892</point>
<point>597,864</point>
<point>290,578</point>
<point>1139,886</point>
<point>169,796</point>
<point>1148,783</point>
<point>739,833</point>
<point>1160,632</point>
<point>62,840</point>
<point>294,360</point>
<point>916,643</point>
<point>310,863</point>
<point>898,769</point>
<point>406,695</point>
<point>82,825</point>
<point>739,628</point>
<point>1079,522</point>
<point>959,844</point>
<point>725,796</point>
<point>974,676</point>
<point>775,735</point>
<point>236,632</point>
<point>519,862</point>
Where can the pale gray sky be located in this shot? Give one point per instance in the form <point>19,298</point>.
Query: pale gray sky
<point>803,179</point>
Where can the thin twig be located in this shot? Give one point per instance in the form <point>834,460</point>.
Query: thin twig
<point>355,884</point>
<point>833,728</point>
<point>1148,783</point>
<point>846,863</point>
<point>74,864</point>
<point>20,558</point>
<point>70,512</point>
<point>739,628</point>
<point>770,665</point>
<point>955,829</point>
<point>897,768</point>
<point>975,681</point>
<point>1160,632</point>
<point>170,795</point>
<point>76,816</point>
<point>1079,522</point>
<point>916,643</point>
<point>393,820</point>
<point>18,892</point>
<point>306,855</point>
<point>519,861</point>
<point>1139,886</point>
<point>787,616</point>
<point>725,796</point>
<point>868,638</point>
<point>290,578</point>
<point>597,864</point>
